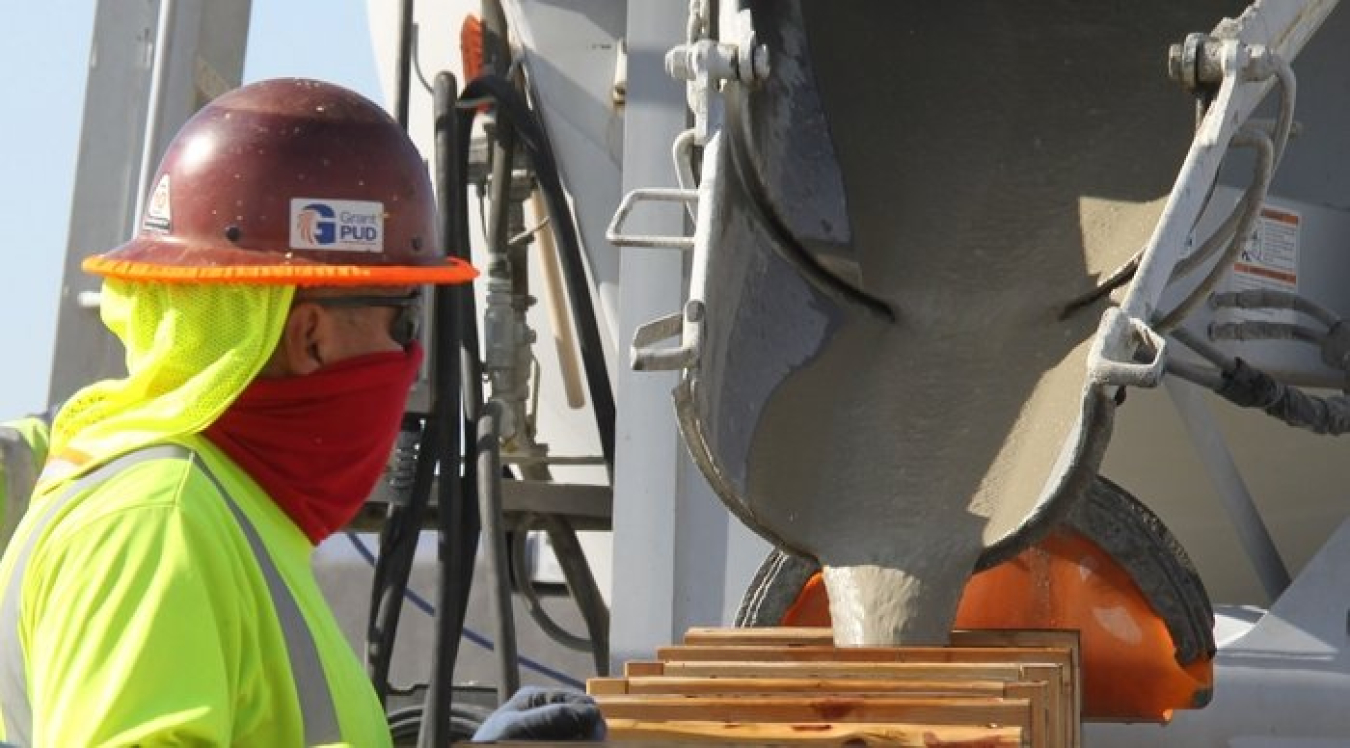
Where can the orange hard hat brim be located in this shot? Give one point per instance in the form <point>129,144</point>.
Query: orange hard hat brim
<point>451,271</point>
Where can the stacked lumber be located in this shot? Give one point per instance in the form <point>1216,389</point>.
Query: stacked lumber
<point>793,686</point>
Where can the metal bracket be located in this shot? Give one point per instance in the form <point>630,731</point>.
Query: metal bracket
<point>1114,357</point>
<point>653,195</point>
<point>705,63</point>
<point>687,325</point>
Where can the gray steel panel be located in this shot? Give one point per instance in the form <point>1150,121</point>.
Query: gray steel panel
<point>206,53</point>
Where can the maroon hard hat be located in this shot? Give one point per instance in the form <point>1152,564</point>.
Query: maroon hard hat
<point>288,181</point>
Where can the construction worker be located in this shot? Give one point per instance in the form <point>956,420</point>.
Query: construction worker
<point>158,591</point>
<point>23,449</point>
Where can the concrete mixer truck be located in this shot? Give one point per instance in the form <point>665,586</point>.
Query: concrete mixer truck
<point>888,316</point>
<point>940,253</point>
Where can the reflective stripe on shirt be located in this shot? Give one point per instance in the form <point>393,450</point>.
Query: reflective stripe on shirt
<point>316,699</point>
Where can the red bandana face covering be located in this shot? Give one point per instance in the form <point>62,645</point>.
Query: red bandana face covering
<point>318,443</point>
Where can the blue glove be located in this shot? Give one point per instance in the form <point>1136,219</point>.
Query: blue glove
<point>544,714</point>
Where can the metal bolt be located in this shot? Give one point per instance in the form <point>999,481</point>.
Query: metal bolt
<point>1174,63</point>
<point>759,60</point>
<point>1260,63</point>
<point>678,64</point>
<point>1196,62</point>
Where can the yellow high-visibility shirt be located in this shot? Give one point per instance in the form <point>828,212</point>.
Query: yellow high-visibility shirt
<point>144,616</point>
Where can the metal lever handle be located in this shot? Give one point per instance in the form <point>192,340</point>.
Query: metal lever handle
<point>688,325</point>
<point>649,194</point>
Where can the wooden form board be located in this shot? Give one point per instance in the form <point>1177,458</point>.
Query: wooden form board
<point>822,636</point>
<point>631,733</point>
<point>791,686</point>
<point>829,653</point>
<point>685,734</point>
<point>802,635</point>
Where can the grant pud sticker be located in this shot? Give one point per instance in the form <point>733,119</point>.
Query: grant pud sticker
<point>346,225</point>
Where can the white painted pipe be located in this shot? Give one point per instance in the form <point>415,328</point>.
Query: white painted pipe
<point>159,73</point>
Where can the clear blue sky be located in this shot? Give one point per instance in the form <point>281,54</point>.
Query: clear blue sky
<point>43,59</point>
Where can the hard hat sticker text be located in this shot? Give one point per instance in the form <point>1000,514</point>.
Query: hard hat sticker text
<point>346,225</point>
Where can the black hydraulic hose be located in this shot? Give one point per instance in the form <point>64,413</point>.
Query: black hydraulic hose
<point>496,50</point>
<point>500,254</point>
<point>503,154</point>
<point>494,558</point>
<point>516,123</point>
<point>577,572</point>
<point>404,68</point>
<point>512,105</point>
<point>398,546</point>
<point>465,719</point>
<point>502,264</point>
<point>423,605</point>
<point>496,60</point>
<point>457,519</point>
<point>533,605</point>
<point>509,262</point>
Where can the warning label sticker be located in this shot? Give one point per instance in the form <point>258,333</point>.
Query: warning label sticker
<point>1269,259</point>
<point>158,213</point>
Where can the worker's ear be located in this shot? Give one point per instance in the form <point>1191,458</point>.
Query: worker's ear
<point>299,351</point>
